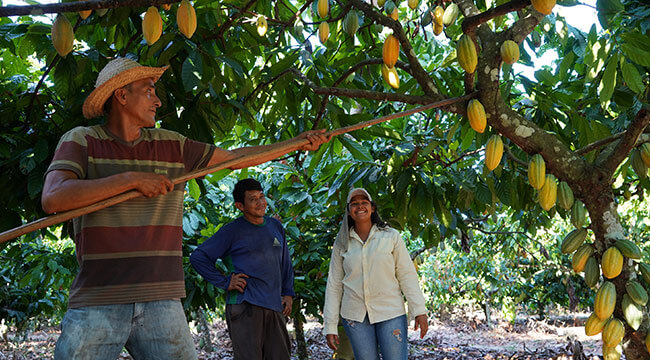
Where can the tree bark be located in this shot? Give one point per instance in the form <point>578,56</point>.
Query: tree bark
<point>301,344</point>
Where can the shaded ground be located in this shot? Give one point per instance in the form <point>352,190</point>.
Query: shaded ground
<point>466,337</point>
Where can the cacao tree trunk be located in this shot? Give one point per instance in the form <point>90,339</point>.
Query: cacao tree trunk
<point>301,344</point>
<point>204,330</point>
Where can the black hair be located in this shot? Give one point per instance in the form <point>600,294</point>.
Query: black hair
<point>245,185</point>
<point>374,217</point>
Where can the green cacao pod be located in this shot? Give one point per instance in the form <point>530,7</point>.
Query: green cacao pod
<point>573,240</point>
<point>543,6</point>
<point>62,35</point>
<point>612,352</point>
<point>548,193</point>
<point>613,332</point>
<point>637,292</point>
<point>152,25</point>
<point>592,272</point>
<point>101,12</point>
<point>476,115</point>
<point>594,325</point>
<point>612,262</point>
<point>581,256</point>
<point>605,300</point>
<point>578,214</point>
<point>493,152</point>
<point>509,52</point>
<point>638,165</point>
<point>644,269</point>
<point>631,312</point>
<point>466,53</point>
<point>537,171</point>
<point>536,39</point>
<point>564,196</point>
<point>450,15</point>
<point>644,151</point>
<point>351,23</point>
<point>628,249</point>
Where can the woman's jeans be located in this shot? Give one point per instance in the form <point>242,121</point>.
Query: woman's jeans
<point>149,330</point>
<point>390,337</point>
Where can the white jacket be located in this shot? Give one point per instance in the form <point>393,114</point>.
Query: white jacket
<point>370,278</point>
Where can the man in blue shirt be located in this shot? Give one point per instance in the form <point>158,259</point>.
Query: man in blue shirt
<point>260,286</point>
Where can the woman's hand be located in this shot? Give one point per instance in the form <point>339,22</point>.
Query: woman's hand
<point>332,341</point>
<point>422,322</point>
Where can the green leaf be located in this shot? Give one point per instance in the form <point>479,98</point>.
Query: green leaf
<point>194,190</point>
<point>357,150</point>
<point>608,82</point>
<point>636,54</point>
<point>191,72</point>
<point>632,77</point>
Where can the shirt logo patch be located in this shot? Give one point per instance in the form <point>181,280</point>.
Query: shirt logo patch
<point>276,242</point>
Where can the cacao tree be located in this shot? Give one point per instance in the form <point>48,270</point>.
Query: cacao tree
<point>249,72</point>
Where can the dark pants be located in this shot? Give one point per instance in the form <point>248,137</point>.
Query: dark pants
<point>257,333</point>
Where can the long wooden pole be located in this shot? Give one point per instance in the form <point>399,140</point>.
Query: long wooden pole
<point>289,146</point>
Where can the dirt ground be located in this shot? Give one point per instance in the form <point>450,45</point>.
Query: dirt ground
<point>460,337</point>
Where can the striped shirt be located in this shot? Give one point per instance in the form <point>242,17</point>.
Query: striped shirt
<point>132,251</point>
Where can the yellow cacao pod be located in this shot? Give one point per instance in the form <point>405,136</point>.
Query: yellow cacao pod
<point>390,76</point>
<point>394,15</point>
<point>451,12</point>
<point>493,152</point>
<point>152,25</point>
<point>466,53</point>
<point>390,51</point>
<point>548,193</point>
<point>62,35</point>
<point>613,332</point>
<point>581,256</point>
<point>612,352</point>
<point>605,300</point>
<point>543,6</point>
<point>84,14</point>
<point>476,115</point>
<point>262,25</point>
<point>167,6</point>
<point>612,262</point>
<point>565,195</point>
<point>645,153</point>
<point>594,325</point>
<point>186,18</point>
<point>323,8</point>
<point>437,29</point>
<point>438,13</point>
<point>509,52</point>
<point>413,4</point>
<point>537,171</point>
<point>381,3</point>
<point>323,32</point>
<point>647,342</point>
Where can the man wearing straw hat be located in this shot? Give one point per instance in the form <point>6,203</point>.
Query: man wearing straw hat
<point>130,282</point>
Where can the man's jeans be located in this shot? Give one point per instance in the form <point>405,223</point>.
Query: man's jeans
<point>149,330</point>
<point>391,336</point>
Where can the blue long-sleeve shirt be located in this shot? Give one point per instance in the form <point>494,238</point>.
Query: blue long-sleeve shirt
<point>259,251</point>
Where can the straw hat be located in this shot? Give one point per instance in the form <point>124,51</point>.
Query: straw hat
<point>116,74</point>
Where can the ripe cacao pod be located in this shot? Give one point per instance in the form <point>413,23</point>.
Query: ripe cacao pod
<point>466,53</point>
<point>613,332</point>
<point>390,51</point>
<point>628,249</point>
<point>594,325</point>
<point>62,35</point>
<point>476,115</point>
<point>84,14</point>
<point>638,164</point>
<point>167,7</point>
<point>351,23</point>
<point>537,171</point>
<point>152,25</point>
<point>438,14</point>
<point>573,240</point>
<point>592,272</point>
<point>437,29</point>
<point>644,150</point>
<point>186,18</point>
<point>612,352</point>
<point>631,312</point>
<point>390,76</point>
<point>580,257</point>
<point>605,300</point>
<point>637,292</point>
<point>543,6</point>
<point>548,193</point>
<point>493,152</point>
<point>262,25</point>
<point>450,15</point>
<point>578,214</point>
<point>323,8</point>
<point>413,4</point>
<point>509,52</point>
<point>647,342</point>
<point>323,32</point>
<point>394,15</point>
<point>564,196</point>
<point>612,262</point>
<point>644,269</point>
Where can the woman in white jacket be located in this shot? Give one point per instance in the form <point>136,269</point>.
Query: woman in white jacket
<point>369,271</point>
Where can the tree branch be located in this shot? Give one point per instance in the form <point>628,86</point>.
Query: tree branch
<point>231,19</point>
<point>514,158</point>
<point>524,26</point>
<point>31,10</point>
<point>626,143</point>
<point>470,23</point>
<point>596,144</point>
